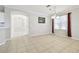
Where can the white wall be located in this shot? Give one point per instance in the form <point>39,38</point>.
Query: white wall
<point>75,23</point>
<point>8,19</point>
<point>34,27</point>
<point>39,28</point>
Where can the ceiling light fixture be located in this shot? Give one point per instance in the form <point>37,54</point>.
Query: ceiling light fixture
<point>48,6</point>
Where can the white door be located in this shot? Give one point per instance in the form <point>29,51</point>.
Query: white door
<point>19,25</point>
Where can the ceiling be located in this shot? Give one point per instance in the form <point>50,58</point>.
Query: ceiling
<point>43,8</point>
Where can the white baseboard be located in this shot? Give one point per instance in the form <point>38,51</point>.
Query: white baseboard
<point>75,38</point>
<point>40,34</point>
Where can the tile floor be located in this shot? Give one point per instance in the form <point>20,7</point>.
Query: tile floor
<point>41,44</point>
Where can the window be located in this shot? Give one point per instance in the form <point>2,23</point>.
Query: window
<point>61,22</point>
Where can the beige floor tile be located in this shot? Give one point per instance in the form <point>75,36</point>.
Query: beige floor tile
<point>41,44</point>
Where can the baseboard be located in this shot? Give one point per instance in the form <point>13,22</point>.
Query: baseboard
<point>11,38</point>
<point>75,38</point>
<point>33,35</point>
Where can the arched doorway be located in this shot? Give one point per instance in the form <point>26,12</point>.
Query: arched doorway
<point>19,24</point>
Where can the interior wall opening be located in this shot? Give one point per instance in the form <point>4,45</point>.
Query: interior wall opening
<point>60,25</point>
<point>19,24</point>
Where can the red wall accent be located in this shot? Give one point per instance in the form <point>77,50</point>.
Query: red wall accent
<point>52,25</point>
<point>69,25</point>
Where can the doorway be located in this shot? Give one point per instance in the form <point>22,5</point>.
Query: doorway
<point>60,25</point>
<point>19,24</point>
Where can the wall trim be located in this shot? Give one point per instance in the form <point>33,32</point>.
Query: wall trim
<point>41,34</point>
<point>75,38</point>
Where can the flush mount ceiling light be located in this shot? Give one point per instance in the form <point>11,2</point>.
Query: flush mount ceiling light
<point>48,6</point>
